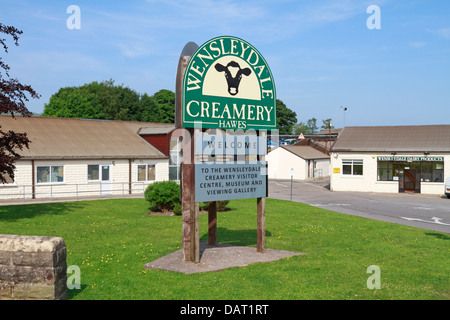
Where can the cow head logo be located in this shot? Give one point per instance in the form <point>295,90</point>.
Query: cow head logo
<point>233,81</point>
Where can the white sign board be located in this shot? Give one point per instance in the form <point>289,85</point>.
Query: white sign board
<point>230,181</point>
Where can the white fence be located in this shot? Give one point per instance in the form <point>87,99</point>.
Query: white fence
<point>53,191</point>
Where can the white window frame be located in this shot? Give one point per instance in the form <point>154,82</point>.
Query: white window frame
<point>50,173</point>
<point>99,173</point>
<point>146,171</point>
<point>352,163</point>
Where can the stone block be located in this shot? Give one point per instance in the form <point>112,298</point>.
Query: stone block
<point>32,267</point>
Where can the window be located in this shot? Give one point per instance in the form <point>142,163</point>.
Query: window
<point>146,172</point>
<point>105,173</point>
<point>393,171</point>
<point>433,171</point>
<point>385,171</point>
<point>50,174</point>
<point>352,167</point>
<point>175,159</point>
<point>93,172</point>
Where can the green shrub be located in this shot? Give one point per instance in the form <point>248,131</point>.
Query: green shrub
<point>177,209</point>
<point>163,195</point>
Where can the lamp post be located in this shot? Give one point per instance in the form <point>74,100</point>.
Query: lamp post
<point>329,133</point>
<point>345,109</point>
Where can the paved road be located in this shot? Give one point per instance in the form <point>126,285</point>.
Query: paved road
<point>430,212</point>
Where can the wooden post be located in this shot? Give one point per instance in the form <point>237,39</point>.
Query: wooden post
<point>186,54</point>
<point>190,231</point>
<point>212,223</point>
<point>190,221</point>
<point>261,212</point>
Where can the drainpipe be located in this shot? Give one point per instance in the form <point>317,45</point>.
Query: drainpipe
<point>129,176</point>
<point>32,181</point>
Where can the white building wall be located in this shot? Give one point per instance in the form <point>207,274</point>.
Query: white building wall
<point>280,161</point>
<point>323,165</point>
<point>76,178</point>
<point>23,178</point>
<point>368,181</point>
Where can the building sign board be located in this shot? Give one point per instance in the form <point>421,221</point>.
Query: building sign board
<point>228,181</point>
<point>409,158</point>
<point>230,145</point>
<point>228,84</point>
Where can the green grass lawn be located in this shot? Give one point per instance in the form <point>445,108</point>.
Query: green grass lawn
<point>111,240</point>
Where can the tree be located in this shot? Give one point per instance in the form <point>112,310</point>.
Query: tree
<point>286,118</point>
<point>165,100</point>
<point>73,102</point>
<point>105,100</point>
<point>150,110</point>
<point>13,95</point>
<point>301,128</point>
<point>312,125</point>
<point>95,100</point>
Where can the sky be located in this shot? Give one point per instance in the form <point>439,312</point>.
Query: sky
<point>387,67</point>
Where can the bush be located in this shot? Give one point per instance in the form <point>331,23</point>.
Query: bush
<point>177,209</point>
<point>163,195</point>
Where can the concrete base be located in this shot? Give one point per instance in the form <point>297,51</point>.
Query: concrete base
<point>215,258</point>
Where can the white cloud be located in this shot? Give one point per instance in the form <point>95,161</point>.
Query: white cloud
<point>417,44</point>
<point>444,32</point>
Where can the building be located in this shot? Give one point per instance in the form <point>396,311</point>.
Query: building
<point>391,159</point>
<point>306,161</point>
<point>76,157</point>
<point>160,136</point>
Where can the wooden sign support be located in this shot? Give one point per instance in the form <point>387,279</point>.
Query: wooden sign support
<point>261,213</point>
<point>212,223</point>
<point>190,227</point>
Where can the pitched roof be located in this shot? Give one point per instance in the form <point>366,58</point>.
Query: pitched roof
<point>428,138</point>
<point>156,130</point>
<point>306,152</point>
<point>66,138</point>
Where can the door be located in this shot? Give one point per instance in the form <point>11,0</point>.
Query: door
<point>412,180</point>
<point>106,180</point>
<point>418,179</point>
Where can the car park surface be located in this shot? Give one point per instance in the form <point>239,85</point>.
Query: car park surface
<point>430,212</point>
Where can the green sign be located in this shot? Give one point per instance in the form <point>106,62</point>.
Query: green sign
<point>228,84</point>
<point>409,158</point>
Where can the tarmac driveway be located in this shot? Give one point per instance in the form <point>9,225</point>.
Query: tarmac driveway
<point>430,212</point>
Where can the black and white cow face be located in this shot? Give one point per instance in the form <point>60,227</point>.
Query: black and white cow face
<point>233,75</point>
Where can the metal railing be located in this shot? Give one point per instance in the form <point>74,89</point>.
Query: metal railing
<point>317,174</point>
<point>73,190</point>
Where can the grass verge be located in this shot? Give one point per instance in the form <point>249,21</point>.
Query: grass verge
<point>111,240</point>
